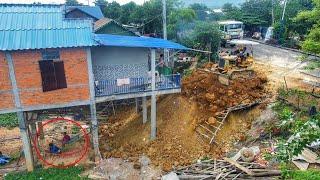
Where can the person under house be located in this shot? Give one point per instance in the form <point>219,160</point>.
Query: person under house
<point>161,61</point>
<point>54,149</point>
<point>66,138</point>
<point>4,159</point>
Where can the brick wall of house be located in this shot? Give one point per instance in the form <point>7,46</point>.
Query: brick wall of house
<point>6,97</point>
<point>29,82</point>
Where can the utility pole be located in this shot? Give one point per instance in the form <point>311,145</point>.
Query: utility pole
<point>165,37</point>
<point>282,23</point>
<point>272,12</point>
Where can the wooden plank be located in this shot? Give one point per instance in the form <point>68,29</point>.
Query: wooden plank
<point>206,128</point>
<point>239,166</point>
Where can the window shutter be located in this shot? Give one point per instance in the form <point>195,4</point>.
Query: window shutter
<point>60,74</point>
<point>48,75</point>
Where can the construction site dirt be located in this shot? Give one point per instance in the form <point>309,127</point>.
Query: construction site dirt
<point>177,143</point>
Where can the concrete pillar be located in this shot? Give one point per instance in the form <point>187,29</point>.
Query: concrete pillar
<point>153,96</point>
<point>21,117</point>
<point>95,131</point>
<point>93,111</point>
<point>25,141</point>
<point>144,110</point>
<point>137,105</point>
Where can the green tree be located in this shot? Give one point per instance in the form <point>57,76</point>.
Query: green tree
<point>101,3</point>
<point>113,10</point>
<point>179,20</point>
<point>312,42</point>
<point>205,36</point>
<point>72,3</point>
<point>231,11</point>
<point>127,11</point>
<point>200,10</point>
<point>149,15</point>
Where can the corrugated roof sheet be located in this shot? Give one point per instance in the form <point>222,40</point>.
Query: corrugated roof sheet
<point>101,23</point>
<point>41,26</point>
<point>93,11</point>
<point>132,41</point>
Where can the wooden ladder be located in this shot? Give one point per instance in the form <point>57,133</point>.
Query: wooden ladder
<point>209,131</point>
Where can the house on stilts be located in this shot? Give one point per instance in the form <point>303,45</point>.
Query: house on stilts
<point>48,61</point>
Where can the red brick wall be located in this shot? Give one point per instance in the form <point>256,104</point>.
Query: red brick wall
<point>28,78</point>
<point>6,97</point>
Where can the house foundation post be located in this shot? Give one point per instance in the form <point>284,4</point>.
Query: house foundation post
<point>21,117</point>
<point>93,111</point>
<point>137,105</point>
<point>153,96</point>
<point>144,110</point>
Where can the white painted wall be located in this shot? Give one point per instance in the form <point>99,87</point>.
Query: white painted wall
<point>111,63</point>
<point>119,55</point>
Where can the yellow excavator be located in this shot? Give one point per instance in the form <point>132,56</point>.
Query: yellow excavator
<point>236,63</point>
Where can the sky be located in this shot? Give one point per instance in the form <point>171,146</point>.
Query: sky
<point>62,1</point>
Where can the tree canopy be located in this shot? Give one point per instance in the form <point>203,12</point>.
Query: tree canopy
<point>72,3</point>
<point>312,42</point>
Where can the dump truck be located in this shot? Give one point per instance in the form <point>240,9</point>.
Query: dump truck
<point>230,30</point>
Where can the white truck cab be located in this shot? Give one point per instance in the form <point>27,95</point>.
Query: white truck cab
<point>231,30</point>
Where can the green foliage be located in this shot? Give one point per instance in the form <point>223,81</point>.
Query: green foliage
<point>179,20</point>
<point>72,3</point>
<point>54,174</point>
<point>113,10</point>
<point>312,42</point>
<point>127,11</point>
<point>312,65</point>
<point>9,120</point>
<point>205,36</point>
<point>309,174</point>
<point>296,125</point>
<point>200,10</point>
<point>75,129</point>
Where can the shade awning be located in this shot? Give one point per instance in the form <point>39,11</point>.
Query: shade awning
<point>132,41</point>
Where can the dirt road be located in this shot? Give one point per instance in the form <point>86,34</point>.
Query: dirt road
<point>280,64</point>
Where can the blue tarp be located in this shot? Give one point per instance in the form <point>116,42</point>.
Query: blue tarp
<point>132,41</point>
<point>4,159</point>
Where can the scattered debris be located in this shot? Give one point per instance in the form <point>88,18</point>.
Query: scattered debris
<point>170,176</point>
<point>116,168</point>
<point>307,157</point>
<point>224,169</point>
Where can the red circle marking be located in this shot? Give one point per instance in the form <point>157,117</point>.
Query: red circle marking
<point>85,151</point>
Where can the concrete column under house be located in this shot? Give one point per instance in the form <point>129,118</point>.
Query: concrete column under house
<point>93,110</point>
<point>144,110</point>
<point>153,96</point>
<point>21,116</point>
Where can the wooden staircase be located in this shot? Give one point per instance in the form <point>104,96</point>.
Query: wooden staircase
<point>209,131</point>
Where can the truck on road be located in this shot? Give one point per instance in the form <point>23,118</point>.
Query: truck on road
<point>231,30</point>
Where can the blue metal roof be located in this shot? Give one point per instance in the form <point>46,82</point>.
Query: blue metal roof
<point>41,26</point>
<point>93,11</point>
<point>133,41</point>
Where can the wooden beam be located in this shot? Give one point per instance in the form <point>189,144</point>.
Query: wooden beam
<point>239,166</point>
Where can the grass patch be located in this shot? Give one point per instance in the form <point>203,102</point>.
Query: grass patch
<point>301,175</point>
<point>9,120</point>
<point>313,65</point>
<point>51,173</point>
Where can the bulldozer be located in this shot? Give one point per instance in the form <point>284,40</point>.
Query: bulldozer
<point>236,64</point>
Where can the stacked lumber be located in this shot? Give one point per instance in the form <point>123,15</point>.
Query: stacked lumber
<point>224,169</point>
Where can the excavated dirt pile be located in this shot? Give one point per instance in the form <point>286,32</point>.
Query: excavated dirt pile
<point>212,96</point>
<point>177,143</point>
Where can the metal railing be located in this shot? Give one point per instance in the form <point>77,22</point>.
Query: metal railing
<point>134,85</point>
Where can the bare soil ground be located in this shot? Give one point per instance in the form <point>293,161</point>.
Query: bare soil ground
<point>177,144</point>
